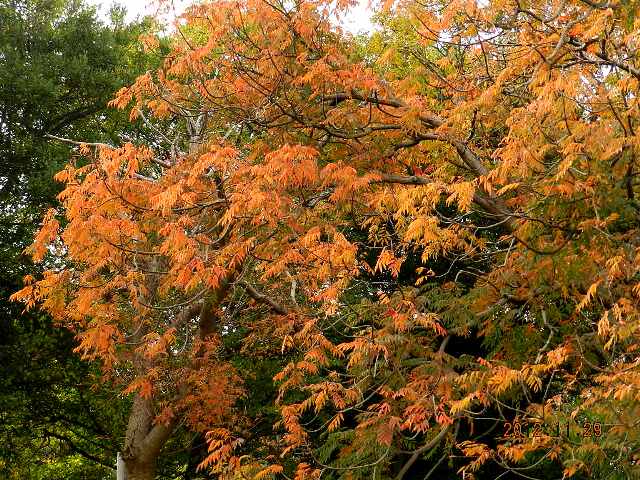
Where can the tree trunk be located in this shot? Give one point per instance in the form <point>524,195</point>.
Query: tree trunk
<point>143,441</point>
<point>143,470</point>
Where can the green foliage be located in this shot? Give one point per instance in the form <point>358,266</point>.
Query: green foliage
<point>59,66</point>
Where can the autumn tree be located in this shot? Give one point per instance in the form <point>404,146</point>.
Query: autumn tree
<point>441,229</point>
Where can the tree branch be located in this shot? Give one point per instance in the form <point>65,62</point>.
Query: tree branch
<point>79,450</point>
<point>259,297</point>
<point>75,142</point>
<point>428,446</point>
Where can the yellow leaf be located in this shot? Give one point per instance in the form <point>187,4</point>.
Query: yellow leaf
<point>335,422</point>
<point>587,298</point>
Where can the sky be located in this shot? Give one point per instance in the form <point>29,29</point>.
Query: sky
<point>358,20</point>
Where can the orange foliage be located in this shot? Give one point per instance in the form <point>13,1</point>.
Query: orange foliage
<point>510,154</point>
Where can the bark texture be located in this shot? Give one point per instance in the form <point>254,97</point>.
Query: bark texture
<point>143,440</point>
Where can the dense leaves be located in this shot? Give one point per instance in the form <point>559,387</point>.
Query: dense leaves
<point>437,227</point>
<point>58,68</point>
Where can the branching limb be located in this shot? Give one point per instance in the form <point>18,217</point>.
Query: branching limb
<point>260,297</point>
<point>428,446</point>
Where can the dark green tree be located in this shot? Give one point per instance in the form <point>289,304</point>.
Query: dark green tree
<point>59,66</point>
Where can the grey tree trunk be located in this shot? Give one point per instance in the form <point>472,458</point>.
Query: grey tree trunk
<point>144,439</point>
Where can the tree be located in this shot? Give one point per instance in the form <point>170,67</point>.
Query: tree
<point>58,68</point>
<point>385,209</point>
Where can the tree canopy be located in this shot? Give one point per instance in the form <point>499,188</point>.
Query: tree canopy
<point>432,228</point>
<point>59,66</point>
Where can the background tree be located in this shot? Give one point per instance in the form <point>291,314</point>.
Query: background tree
<point>59,65</point>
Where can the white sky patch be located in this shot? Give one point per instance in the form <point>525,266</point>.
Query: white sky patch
<point>358,20</point>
